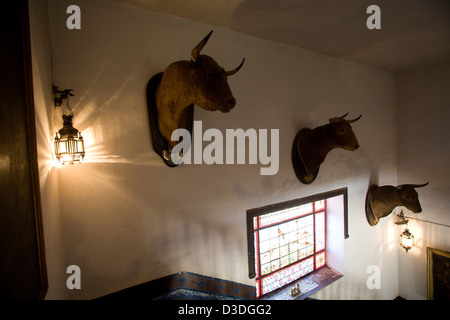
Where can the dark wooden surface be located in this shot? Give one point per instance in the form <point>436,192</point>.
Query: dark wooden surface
<point>159,143</point>
<point>22,259</point>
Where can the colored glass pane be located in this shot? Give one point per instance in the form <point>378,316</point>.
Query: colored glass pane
<point>283,215</point>
<point>289,244</point>
<point>320,260</point>
<point>285,276</point>
<point>320,231</point>
<point>319,205</point>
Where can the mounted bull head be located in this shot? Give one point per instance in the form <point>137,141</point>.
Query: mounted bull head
<point>381,201</point>
<point>311,146</point>
<point>172,94</point>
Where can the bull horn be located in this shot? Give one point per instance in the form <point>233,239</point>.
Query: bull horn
<point>354,120</point>
<point>419,185</point>
<point>231,72</point>
<point>198,48</point>
<point>336,119</point>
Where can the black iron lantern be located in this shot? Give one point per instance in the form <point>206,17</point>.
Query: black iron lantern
<point>69,144</point>
<point>406,237</point>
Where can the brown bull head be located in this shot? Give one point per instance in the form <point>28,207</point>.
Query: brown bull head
<point>200,81</point>
<point>208,81</point>
<point>312,146</point>
<point>381,201</point>
<point>341,133</point>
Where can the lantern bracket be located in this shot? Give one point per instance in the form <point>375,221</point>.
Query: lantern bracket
<point>63,95</point>
<point>400,219</point>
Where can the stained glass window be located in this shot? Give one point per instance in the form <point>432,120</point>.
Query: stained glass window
<point>288,244</point>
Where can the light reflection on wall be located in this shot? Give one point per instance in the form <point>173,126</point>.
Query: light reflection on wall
<point>103,134</point>
<point>391,235</point>
<point>416,229</point>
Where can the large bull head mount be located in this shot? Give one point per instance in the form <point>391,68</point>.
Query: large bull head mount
<point>171,96</point>
<point>381,201</point>
<point>311,146</point>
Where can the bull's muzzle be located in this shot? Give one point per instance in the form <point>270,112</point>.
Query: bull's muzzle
<point>230,105</point>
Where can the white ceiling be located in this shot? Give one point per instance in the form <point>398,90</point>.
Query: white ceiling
<point>413,33</point>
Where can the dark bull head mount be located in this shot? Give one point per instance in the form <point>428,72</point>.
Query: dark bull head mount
<point>381,201</point>
<point>171,96</point>
<point>311,146</point>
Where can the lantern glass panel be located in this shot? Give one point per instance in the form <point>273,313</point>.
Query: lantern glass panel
<point>406,240</point>
<point>69,150</point>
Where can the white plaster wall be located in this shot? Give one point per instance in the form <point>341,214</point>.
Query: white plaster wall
<point>125,218</point>
<point>41,49</point>
<point>423,156</point>
<point>335,234</point>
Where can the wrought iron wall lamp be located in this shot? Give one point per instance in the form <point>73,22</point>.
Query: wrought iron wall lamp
<point>69,144</point>
<point>406,237</point>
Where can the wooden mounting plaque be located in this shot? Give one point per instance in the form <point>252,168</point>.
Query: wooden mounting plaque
<point>160,144</point>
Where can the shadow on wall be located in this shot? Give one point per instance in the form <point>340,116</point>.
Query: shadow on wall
<point>194,242</point>
<point>302,17</point>
<point>144,232</point>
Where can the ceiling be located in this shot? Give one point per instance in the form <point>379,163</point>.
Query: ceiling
<point>414,33</point>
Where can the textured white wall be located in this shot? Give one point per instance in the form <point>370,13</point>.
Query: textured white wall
<point>423,156</point>
<point>41,46</point>
<point>335,231</point>
<point>125,218</point>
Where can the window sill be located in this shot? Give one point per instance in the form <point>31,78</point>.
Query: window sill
<point>309,284</point>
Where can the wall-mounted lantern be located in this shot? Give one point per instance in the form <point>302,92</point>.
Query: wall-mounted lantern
<point>69,144</point>
<point>406,237</point>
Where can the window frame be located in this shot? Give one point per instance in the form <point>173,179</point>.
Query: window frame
<point>256,212</point>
